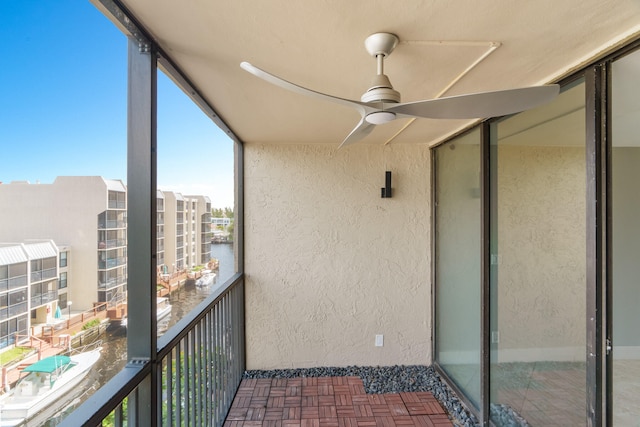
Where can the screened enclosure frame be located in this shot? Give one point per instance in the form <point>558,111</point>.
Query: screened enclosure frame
<point>140,380</point>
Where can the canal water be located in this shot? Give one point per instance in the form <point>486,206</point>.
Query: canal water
<point>114,340</point>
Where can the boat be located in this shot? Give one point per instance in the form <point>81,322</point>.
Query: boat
<point>44,384</point>
<point>206,279</point>
<point>163,309</point>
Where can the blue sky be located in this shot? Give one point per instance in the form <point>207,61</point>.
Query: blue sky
<point>63,105</point>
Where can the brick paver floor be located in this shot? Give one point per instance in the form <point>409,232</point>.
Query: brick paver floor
<point>329,402</point>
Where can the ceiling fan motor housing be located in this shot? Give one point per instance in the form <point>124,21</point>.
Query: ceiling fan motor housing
<point>381,91</point>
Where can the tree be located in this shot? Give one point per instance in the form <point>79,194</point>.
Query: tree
<point>230,230</point>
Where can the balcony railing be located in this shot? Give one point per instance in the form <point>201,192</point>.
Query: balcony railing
<point>109,224</point>
<point>199,363</point>
<point>112,243</point>
<point>112,282</point>
<point>17,282</point>
<point>37,276</point>
<point>15,309</point>
<point>112,263</point>
<point>41,299</point>
<point>117,204</point>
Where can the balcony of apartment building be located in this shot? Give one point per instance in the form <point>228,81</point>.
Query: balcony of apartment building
<point>9,283</point>
<point>205,249</point>
<point>112,219</point>
<point>111,259</point>
<point>111,239</point>
<point>13,303</point>
<point>111,279</point>
<point>44,274</point>
<point>325,265</point>
<point>43,293</point>
<point>117,200</point>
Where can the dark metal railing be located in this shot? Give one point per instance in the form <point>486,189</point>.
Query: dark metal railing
<point>200,362</point>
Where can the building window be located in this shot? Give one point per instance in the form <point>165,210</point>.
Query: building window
<point>62,300</point>
<point>62,283</point>
<point>63,259</point>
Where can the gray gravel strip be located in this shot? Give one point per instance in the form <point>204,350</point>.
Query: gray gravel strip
<point>387,379</point>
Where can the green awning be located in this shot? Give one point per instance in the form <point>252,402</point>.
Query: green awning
<point>48,364</point>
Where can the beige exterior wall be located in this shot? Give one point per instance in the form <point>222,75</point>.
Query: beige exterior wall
<point>329,263</point>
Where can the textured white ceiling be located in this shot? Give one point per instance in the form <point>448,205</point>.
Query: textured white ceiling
<point>319,44</point>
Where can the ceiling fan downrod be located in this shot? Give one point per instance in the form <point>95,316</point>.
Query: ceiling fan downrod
<point>380,45</point>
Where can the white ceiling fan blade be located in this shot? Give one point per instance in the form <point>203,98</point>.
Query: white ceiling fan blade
<point>361,130</point>
<point>479,105</point>
<point>360,106</point>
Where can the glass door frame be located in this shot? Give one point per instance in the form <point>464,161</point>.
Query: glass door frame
<point>599,287</point>
<point>598,236</point>
<point>602,94</point>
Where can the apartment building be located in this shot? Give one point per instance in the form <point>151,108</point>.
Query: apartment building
<point>87,213</point>
<point>29,286</point>
<point>160,229</point>
<point>199,227</point>
<point>174,231</point>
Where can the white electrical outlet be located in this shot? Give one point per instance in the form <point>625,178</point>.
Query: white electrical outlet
<point>379,340</point>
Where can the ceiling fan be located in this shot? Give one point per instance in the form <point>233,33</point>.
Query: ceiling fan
<point>381,103</point>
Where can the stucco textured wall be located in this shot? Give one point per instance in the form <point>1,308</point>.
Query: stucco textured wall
<point>329,263</point>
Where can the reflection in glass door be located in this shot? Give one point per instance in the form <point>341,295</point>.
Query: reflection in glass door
<point>625,188</point>
<point>538,268</point>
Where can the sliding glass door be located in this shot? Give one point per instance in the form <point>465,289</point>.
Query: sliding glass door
<point>625,277</point>
<point>458,262</point>
<point>538,271</point>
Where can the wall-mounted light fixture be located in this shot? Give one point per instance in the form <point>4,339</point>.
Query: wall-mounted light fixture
<point>386,190</point>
